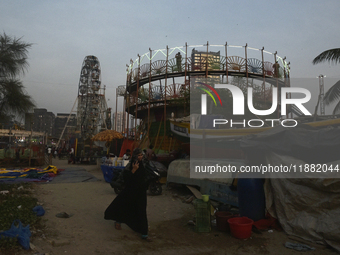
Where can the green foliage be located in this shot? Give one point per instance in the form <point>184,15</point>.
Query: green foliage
<point>8,244</point>
<point>333,94</point>
<point>17,204</point>
<point>13,62</point>
<point>332,56</point>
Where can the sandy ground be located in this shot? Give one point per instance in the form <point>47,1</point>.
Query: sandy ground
<point>86,231</point>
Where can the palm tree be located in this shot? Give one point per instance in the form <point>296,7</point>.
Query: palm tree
<point>333,94</point>
<point>13,62</point>
<point>13,98</point>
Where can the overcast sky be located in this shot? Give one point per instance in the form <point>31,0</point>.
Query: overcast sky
<point>63,32</point>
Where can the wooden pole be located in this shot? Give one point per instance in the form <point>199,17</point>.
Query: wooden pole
<point>149,95</point>
<point>137,91</point>
<point>206,61</point>
<point>170,144</point>
<point>69,116</point>
<point>159,129</point>
<point>116,109</point>
<point>246,56</point>
<point>264,76</point>
<point>288,82</point>
<point>166,81</point>
<point>226,60</point>
<point>123,115</point>
<point>185,79</point>
<point>29,157</point>
<point>276,73</point>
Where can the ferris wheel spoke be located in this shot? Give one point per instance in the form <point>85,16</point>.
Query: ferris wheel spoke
<point>91,101</point>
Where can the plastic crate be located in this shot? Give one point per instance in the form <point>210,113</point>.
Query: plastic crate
<point>202,216</point>
<point>110,171</point>
<point>107,172</point>
<point>199,203</point>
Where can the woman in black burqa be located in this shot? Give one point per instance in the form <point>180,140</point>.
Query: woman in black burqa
<point>129,206</point>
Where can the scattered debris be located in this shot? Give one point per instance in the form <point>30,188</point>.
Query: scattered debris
<point>255,230</point>
<point>191,223</point>
<point>197,194</point>
<point>39,210</point>
<point>189,200</point>
<point>63,215</point>
<point>300,240</point>
<point>60,242</point>
<point>36,248</point>
<point>299,246</point>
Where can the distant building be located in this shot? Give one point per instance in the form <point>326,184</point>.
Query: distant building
<point>40,121</point>
<point>108,118</point>
<point>118,121</point>
<point>60,124</point>
<point>202,60</point>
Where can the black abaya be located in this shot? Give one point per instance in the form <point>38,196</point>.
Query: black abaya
<point>129,206</point>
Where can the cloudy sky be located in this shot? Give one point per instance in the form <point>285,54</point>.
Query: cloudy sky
<point>63,32</point>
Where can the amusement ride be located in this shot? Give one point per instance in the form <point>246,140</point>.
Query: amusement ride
<point>158,84</point>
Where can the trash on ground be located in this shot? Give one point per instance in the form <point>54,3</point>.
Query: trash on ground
<point>299,246</point>
<point>63,215</point>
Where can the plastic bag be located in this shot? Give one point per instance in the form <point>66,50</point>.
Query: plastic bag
<point>22,234</point>
<point>39,210</point>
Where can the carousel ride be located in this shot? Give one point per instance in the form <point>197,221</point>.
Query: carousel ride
<point>159,83</point>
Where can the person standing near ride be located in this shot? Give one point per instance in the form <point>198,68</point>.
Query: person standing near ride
<point>150,154</point>
<point>179,62</point>
<point>49,151</point>
<point>276,68</point>
<point>129,206</point>
<point>127,155</point>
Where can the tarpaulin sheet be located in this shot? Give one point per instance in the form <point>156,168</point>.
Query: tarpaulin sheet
<point>28,174</point>
<point>303,142</point>
<point>307,208</point>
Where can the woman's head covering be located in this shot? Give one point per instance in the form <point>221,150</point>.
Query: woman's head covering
<point>135,154</point>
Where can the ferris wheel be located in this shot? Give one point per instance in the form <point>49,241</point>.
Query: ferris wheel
<point>90,102</point>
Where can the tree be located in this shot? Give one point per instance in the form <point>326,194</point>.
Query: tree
<point>13,62</point>
<point>333,94</point>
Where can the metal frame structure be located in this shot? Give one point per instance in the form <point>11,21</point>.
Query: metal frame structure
<point>322,94</point>
<point>91,103</point>
<point>142,94</point>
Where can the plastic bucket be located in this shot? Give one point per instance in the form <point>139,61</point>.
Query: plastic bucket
<point>205,198</point>
<point>222,220</point>
<point>240,227</point>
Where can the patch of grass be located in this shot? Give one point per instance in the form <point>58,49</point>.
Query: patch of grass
<point>18,203</point>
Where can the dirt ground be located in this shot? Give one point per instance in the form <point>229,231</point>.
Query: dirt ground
<point>86,231</point>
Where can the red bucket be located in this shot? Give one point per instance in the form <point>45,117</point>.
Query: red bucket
<point>240,227</point>
<point>222,220</point>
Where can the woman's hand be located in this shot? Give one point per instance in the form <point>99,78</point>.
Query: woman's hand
<point>135,166</point>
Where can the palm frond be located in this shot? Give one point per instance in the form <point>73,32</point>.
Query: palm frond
<point>333,94</point>
<point>332,56</point>
<point>336,109</point>
<point>13,97</point>
<point>13,56</point>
